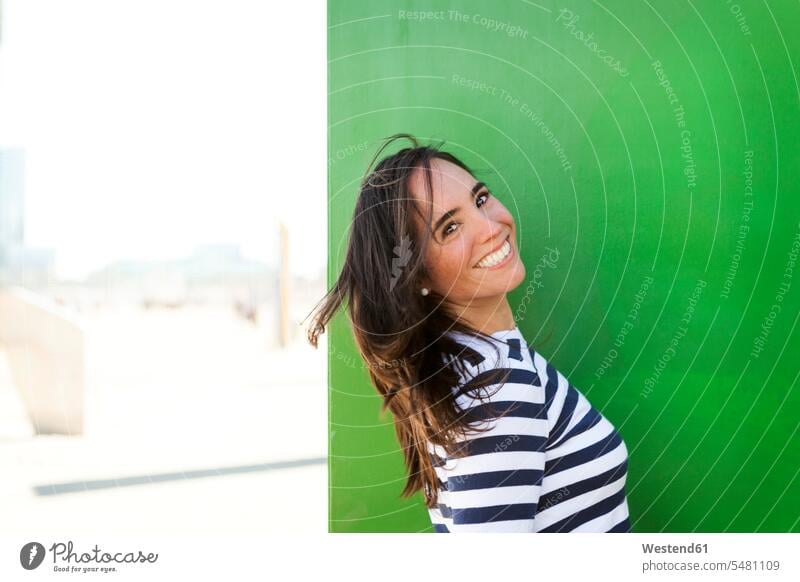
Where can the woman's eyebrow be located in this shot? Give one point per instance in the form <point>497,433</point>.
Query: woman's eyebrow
<point>475,189</point>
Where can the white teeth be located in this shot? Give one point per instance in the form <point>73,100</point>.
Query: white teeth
<point>496,256</point>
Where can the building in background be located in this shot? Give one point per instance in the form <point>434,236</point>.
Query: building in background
<point>19,264</point>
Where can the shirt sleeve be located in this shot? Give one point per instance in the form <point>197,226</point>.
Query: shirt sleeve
<point>495,486</point>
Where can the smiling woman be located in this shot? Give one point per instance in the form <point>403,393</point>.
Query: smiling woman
<point>472,261</point>
<point>439,308</point>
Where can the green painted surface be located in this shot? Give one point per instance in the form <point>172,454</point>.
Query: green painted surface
<point>625,180</point>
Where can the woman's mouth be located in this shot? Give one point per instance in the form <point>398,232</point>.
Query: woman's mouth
<point>498,258</point>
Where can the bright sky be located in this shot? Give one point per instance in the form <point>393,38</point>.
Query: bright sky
<point>153,126</point>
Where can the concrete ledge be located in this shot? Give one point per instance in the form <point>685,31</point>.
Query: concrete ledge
<point>44,343</point>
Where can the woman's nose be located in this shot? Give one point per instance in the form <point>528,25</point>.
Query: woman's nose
<point>490,229</point>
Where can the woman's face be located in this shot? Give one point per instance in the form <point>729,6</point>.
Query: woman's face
<point>473,253</point>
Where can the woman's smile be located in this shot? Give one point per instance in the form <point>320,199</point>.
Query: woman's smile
<point>499,258</point>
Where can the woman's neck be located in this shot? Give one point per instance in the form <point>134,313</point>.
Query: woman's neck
<point>488,317</point>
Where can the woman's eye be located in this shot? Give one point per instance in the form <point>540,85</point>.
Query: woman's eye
<point>448,231</point>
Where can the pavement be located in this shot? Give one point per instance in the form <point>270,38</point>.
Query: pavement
<point>194,426</point>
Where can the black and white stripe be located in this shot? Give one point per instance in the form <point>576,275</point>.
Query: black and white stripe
<point>550,463</point>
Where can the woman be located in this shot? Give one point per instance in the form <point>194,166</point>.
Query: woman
<point>495,437</point>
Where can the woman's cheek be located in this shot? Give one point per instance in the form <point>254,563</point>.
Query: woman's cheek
<point>461,259</point>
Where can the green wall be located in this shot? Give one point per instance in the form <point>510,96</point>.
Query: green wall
<point>658,160</point>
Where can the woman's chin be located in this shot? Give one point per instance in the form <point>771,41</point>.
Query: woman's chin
<point>504,279</point>
<point>517,274</point>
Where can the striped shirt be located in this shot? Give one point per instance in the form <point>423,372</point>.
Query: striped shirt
<point>552,463</point>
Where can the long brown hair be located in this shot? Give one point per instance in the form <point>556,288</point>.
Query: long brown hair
<point>400,333</point>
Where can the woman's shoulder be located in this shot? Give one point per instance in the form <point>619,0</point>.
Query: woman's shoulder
<point>471,357</point>
<point>500,371</point>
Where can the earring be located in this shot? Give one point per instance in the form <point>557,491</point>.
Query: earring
<point>424,291</point>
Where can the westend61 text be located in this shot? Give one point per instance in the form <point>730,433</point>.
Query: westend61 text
<point>672,549</point>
